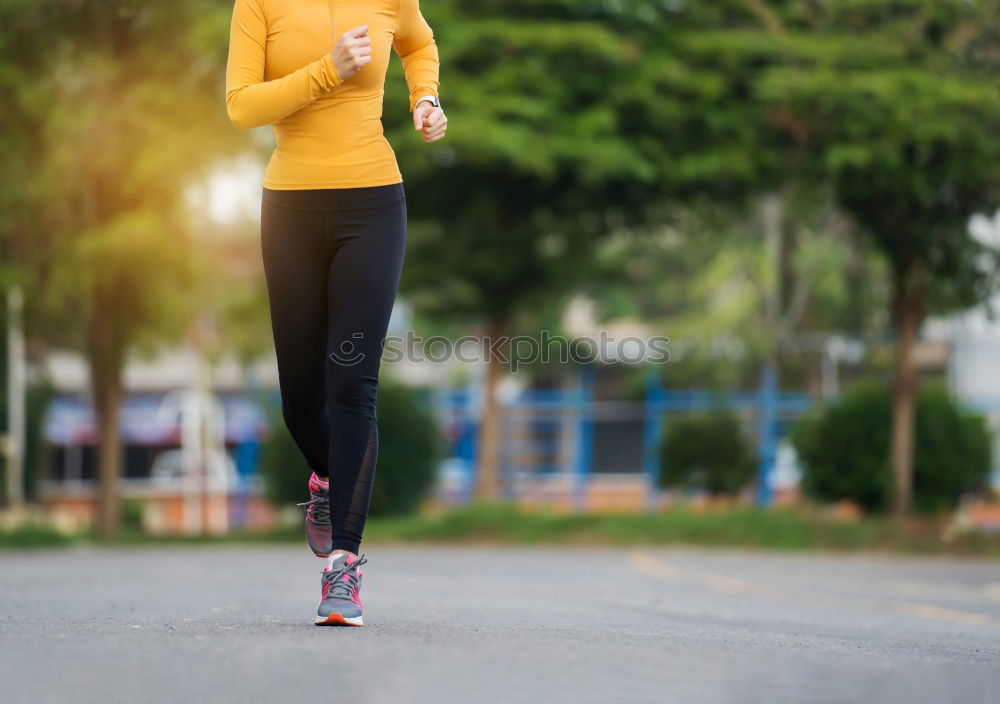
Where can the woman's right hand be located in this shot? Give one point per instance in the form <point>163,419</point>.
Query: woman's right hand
<point>352,51</point>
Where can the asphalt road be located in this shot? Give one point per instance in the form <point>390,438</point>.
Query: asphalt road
<point>472,625</point>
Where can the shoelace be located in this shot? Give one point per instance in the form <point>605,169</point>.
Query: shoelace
<point>341,589</point>
<point>320,505</point>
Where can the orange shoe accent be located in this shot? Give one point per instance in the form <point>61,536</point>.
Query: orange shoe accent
<point>336,619</point>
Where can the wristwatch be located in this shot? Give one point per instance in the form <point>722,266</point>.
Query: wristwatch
<point>432,99</point>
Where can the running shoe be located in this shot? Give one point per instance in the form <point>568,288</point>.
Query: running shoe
<point>341,601</point>
<point>319,529</point>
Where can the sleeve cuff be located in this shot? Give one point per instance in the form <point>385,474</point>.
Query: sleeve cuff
<point>422,96</point>
<point>333,78</point>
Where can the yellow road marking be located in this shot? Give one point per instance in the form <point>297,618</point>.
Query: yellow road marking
<point>659,569</point>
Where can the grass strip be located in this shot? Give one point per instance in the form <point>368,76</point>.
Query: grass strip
<point>784,529</point>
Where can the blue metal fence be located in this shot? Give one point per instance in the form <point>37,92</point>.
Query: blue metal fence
<point>772,409</point>
<point>530,447</point>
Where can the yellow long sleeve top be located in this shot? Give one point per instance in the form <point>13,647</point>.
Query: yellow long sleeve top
<point>328,131</point>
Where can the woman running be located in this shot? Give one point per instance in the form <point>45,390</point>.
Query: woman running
<point>333,232</point>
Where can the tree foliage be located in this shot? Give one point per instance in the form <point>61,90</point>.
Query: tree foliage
<point>895,106</point>
<point>113,109</point>
<point>117,112</point>
<point>538,163</point>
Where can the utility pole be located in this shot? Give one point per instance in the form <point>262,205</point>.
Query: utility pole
<point>772,217</point>
<point>14,444</point>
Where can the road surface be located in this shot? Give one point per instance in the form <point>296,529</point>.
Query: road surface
<point>233,624</point>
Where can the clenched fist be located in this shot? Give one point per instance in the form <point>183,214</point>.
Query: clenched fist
<point>430,121</point>
<point>352,51</point>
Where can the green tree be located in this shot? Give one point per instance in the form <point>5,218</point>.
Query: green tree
<point>901,101</point>
<point>120,104</point>
<point>537,162</point>
<point>894,104</point>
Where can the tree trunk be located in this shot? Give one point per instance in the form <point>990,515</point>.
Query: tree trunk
<point>488,452</point>
<point>107,402</point>
<point>106,361</point>
<point>908,307</point>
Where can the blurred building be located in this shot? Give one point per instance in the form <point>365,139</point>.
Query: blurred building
<point>188,456</point>
<point>973,363</point>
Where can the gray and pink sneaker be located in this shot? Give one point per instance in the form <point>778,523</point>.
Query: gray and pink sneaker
<point>341,601</point>
<point>319,529</point>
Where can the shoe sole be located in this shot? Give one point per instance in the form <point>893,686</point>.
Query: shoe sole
<point>319,552</point>
<point>336,619</point>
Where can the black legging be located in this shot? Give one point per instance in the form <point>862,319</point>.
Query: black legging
<point>332,259</point>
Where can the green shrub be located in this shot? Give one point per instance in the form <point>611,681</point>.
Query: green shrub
<point>410,447</point>
<point>844,449</point>
<point>132,510</point>
<point>706,450</point>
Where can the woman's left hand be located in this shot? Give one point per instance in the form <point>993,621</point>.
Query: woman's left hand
<point>430,120</point>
